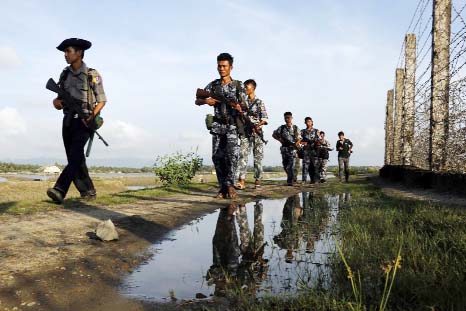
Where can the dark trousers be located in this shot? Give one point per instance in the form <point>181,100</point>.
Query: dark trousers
<point>75,137</point>
<point>225,154</point>
<point>343,165</point>
<point>288,161</point>
<point>310,167</point>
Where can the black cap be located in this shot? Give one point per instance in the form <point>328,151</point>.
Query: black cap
<point>74,42</point>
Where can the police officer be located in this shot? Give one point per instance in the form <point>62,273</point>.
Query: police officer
<point>288,135</point>
<point>345,149</point>
<point>84,84</point>
<point>323,155</point>
<point>310,136</point>
<point>251,140</point>
<point>225,126</point>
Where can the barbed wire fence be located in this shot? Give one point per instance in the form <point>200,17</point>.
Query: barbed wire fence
<point>418,146</point>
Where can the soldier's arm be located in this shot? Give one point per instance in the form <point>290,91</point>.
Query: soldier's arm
<point>277,136</point>
<point>264,119</point>
<point>97,87</point>
<point>206,101</point>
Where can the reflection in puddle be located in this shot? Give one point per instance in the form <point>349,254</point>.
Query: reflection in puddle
<point>329,175</point>
<point>263,247</point>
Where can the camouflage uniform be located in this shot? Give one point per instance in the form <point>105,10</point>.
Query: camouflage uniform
<point>257,113</point>
<point>310,160</point>
<point>297,168</point>
<point>291,233</point>
<point>250,243</point>
<point>225,245</point>
<point>323,156</point>
<point>289,136</point>
<point>225,145</point>
<point>85,84</point>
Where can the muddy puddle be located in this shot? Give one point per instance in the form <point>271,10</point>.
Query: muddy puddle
<point>264,247</point>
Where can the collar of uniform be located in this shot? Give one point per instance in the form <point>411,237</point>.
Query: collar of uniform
<point>219,81</point>
<point>83,69</point>
<point>252,100</point>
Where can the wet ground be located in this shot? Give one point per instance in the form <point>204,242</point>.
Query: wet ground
<point>264,247</point>
<point>49,259</point>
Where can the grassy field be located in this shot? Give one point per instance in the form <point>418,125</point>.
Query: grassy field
<point>431,269</point>
<point>19,195</point>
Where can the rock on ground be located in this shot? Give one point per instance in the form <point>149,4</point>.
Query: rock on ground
<point>106,231</point>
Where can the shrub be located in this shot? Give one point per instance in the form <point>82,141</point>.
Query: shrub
<point>178,168</point>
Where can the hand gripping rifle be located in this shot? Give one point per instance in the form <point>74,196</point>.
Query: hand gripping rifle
<point>200,93</point>
<point>74,107</point>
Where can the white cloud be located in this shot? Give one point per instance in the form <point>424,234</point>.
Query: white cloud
<point>8,58</point>
<point>11,122</point>
<point>123,135</point>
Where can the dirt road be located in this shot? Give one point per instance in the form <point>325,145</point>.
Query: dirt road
<point>48,260</point>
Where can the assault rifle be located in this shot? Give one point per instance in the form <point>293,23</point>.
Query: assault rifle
<point>240,107</point>
<point>74,107</point>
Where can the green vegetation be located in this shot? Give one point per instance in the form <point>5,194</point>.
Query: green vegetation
<point>32,198</point>
<point>33,168</point>
<point>11,167</point>
<point>356,170</point>
<point>396,254</point>
<point>177,169</point>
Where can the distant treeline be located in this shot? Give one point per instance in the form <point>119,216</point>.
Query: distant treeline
<point>34,168</point>
<point>14,168</point>
<point>266,168</point>
<point>18,168</point>
<point>126,170</point>
<point>354,170</point>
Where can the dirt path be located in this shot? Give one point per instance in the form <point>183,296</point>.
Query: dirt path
<point>49,262</point>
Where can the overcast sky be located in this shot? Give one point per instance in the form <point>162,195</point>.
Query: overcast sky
<point>331,60</point>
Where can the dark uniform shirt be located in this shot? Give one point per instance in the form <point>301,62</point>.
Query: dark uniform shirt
<point>224,114</point>
<point>310,136</point>
<point>289,135</point>
<point>77,83</point>
<point>347,145</point>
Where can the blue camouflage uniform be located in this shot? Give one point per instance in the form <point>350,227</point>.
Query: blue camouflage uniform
<point>257,113</point>
<point>225,142</point>
<point>310,159</point>
<point>289,136</point>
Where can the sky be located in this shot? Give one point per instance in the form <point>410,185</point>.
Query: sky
<point>331,60</point>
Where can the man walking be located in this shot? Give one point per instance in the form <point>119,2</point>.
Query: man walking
<point>344,148</point>
<point>84,84</point>
<point>253,138</point>
<point>225,146</point>
<point>323,155</point>
<point>288,135</point>
<point>310,137</point>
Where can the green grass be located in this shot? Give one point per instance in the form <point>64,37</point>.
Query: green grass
<point>36,200</point>
<point>371,227</point>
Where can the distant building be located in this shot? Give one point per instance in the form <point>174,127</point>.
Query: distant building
<point>52,169</point>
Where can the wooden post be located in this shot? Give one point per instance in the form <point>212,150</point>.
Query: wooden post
<point>408,99</point>
<point>440,84</point>
<point>389,129</point>
<point>397,139</point>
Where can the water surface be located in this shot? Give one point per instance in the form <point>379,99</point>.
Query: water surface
<point>264,247</point>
